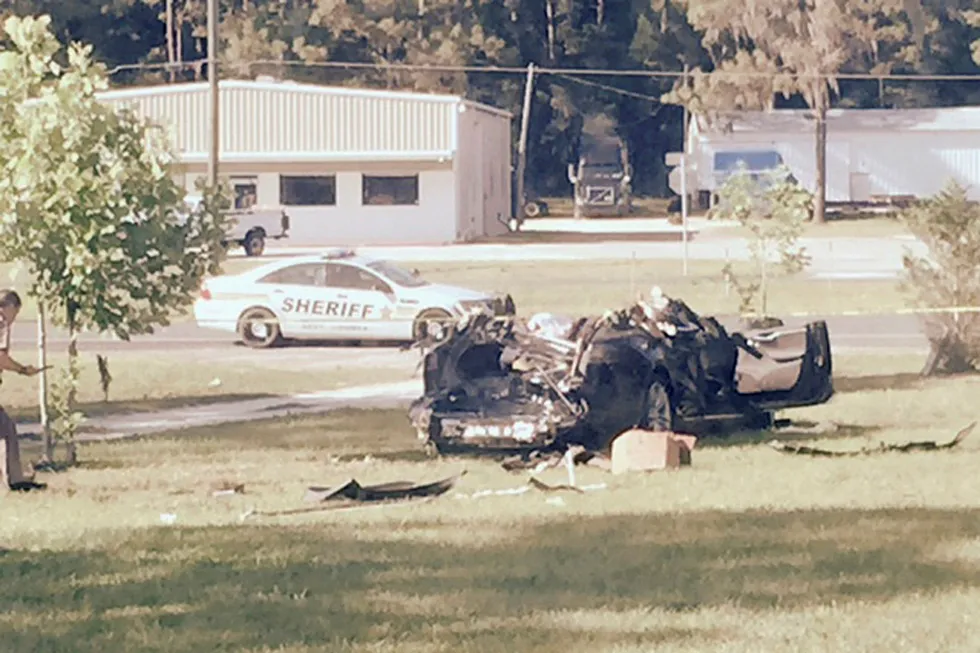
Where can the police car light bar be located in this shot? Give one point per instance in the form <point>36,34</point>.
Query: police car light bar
<point>339,254</point>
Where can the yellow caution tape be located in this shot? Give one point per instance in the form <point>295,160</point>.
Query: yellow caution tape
<point>883,312</point>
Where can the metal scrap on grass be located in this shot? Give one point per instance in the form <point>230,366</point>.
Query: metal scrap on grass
<point>907,447</point>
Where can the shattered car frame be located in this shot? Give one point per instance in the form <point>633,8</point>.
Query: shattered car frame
<point>492,382</point>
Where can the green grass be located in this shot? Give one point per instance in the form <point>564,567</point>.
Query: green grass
<point>747,550</point>
<point>158,381</point>
<point>589,287</point>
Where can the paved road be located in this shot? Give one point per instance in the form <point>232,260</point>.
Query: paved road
<point>872,331</point>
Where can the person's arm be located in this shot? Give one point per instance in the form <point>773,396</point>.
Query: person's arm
<point>8,363</point>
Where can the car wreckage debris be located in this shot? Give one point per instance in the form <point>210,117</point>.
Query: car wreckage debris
<point>908,447</point>
<point>393,491</point>
<point>503,384</point>
<point>352,494</point>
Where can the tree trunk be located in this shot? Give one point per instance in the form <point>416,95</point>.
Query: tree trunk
<point>820,197</point>
<point>179,47</point>
<point>70,448</point>
<point>42,363</point>
<point>549,7</point>
<point>600,12</point>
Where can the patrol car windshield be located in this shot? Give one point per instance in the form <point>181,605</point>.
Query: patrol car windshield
<point>398,275</point>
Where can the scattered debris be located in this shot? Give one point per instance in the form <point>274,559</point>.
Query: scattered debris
<point>394,491</point>
<point>352,494</point>
<point>928,445</point>
<point>227,489</point>
<point>641,450</point>
<point>534,484</point>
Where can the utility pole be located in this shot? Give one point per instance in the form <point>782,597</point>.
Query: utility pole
<point>522,144</point>
<point>213,92</point>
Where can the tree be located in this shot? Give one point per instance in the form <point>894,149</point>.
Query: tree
<point>774,210</point>
<point>947,278</point>
<point>88,199</point>
<point>795,48</point>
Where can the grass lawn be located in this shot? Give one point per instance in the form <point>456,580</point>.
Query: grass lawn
<point>16,277</point>
<point>589,287</point>
<point>156,381</point>
<point>747,550</point>
<point>580,287</point>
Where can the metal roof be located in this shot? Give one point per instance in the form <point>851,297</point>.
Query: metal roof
<point>289,121</point>
<point>845,120</point>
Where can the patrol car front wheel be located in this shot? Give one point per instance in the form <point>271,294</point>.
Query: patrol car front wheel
<point>259,328</point>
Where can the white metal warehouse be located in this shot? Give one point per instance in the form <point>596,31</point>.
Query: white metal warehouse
<point>351,166</point>
<point>872,154</point>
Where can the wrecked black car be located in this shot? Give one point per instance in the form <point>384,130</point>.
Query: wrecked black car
<point>495,382</point>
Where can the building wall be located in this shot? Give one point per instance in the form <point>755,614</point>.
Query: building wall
<point>917,163</point>
<point>483,179</point>
<point>861,165</point>
<point>348,222</point>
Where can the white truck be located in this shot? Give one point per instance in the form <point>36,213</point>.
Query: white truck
<point>251,228</point>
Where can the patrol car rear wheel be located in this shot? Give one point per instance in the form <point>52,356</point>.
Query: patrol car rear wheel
<point>431,316</point>
<point>259,328</point>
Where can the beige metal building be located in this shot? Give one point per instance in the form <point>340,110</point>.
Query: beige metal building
<point>351,166</point>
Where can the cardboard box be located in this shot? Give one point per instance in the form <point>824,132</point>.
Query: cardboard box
<point>641,450</point>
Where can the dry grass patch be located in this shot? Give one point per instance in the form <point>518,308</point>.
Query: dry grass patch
<point>747,550</point>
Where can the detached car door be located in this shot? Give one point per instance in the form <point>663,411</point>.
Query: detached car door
<point>295,293</point>
<point>365,303</point>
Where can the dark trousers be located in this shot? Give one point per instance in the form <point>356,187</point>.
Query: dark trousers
<point>11,472</point>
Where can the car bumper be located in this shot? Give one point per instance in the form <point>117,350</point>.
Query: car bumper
<point>209,316</point>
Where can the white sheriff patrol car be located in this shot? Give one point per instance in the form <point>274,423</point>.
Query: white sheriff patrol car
<point>338,295</point>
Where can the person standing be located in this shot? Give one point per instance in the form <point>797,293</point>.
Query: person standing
<point>11,471</point>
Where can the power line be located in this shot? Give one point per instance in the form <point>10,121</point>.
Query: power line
<point>606,87</point>
<point>568,72</point>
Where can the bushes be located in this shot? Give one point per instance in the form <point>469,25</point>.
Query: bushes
<point>947,277</point>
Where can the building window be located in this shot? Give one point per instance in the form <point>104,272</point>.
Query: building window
<point>308,191</point>
<point>389,191</point>
<point>756,163</point>
<point>246,192</point>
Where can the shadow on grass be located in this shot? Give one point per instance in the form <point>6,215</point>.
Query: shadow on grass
<point>242,588</point>
<point>343,433</point>
<point>796,431</point>
<point>901,381</point>
<point>874,382</point>
<point>105,409</point>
